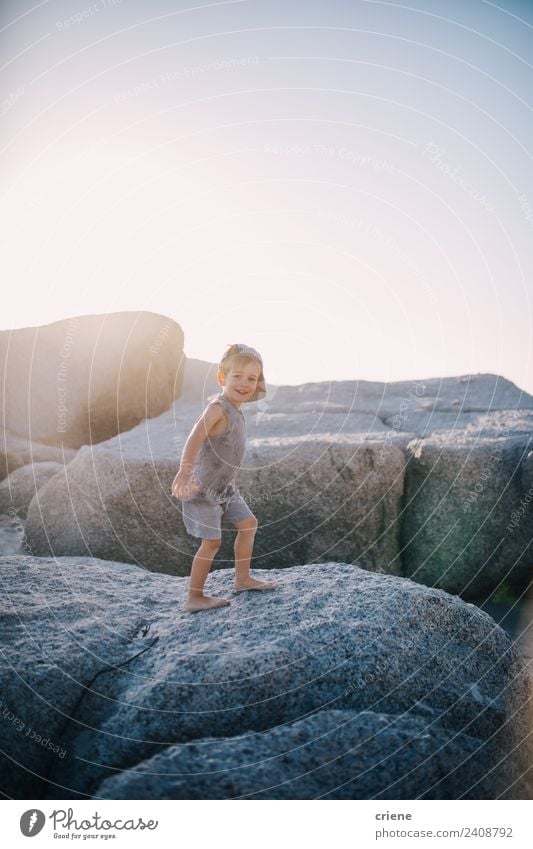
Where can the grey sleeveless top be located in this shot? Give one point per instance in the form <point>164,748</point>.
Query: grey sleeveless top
<point>221,454</point>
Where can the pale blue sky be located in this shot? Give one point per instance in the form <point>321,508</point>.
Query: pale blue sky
<point>346,186</point>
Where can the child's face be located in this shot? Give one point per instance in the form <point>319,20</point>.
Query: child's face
<point>241,382</point>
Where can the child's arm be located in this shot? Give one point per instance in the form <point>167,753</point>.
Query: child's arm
<point>184,483</point>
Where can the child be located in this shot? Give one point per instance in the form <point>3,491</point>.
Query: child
<point>205,482</point>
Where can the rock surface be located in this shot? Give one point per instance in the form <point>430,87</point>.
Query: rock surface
<point>10,461</point>
<point>17,490</point>
<point>11,534</point>
<point>527,474</point>
<point>332,470</point>
<point>16,451</point>
<point>461,494</point>
<point>335,666</point>
<point>84,379</point>
<point>54,640</point>
<point>331,754</point>
<point>397,402</point>
<point>322,500</point>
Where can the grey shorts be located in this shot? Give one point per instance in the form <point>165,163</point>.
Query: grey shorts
<point>203,514</point>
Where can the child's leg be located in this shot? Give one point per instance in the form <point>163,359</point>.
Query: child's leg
<point>244,544</point>
<point>201,564</point>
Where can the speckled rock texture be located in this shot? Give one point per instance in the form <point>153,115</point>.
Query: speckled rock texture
<point>293,693</point>
<point>461,495</point>
<point>332,754</point>
<point>17,490</point>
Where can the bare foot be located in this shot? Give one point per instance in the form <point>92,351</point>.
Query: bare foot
<point>204,602</point>
<point>253,584</point>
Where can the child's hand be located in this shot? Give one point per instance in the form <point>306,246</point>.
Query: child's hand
<point>184,485</point>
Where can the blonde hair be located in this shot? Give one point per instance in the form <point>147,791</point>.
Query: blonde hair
<point>233,358</point>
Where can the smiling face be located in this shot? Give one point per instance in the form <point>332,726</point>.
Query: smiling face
<point>240,382</point>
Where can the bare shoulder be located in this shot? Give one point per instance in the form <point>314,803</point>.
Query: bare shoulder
<point>213,419</point>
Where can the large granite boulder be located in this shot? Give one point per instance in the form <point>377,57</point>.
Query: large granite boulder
<point>17,490</point>
<point>466,524</point>
<point>317,494</point>
<point>332,471</point>
<point>85,379</point>
<point>54,641</point>
<point>103,670</point>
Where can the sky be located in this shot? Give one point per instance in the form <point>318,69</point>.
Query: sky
<point>347,186</point>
